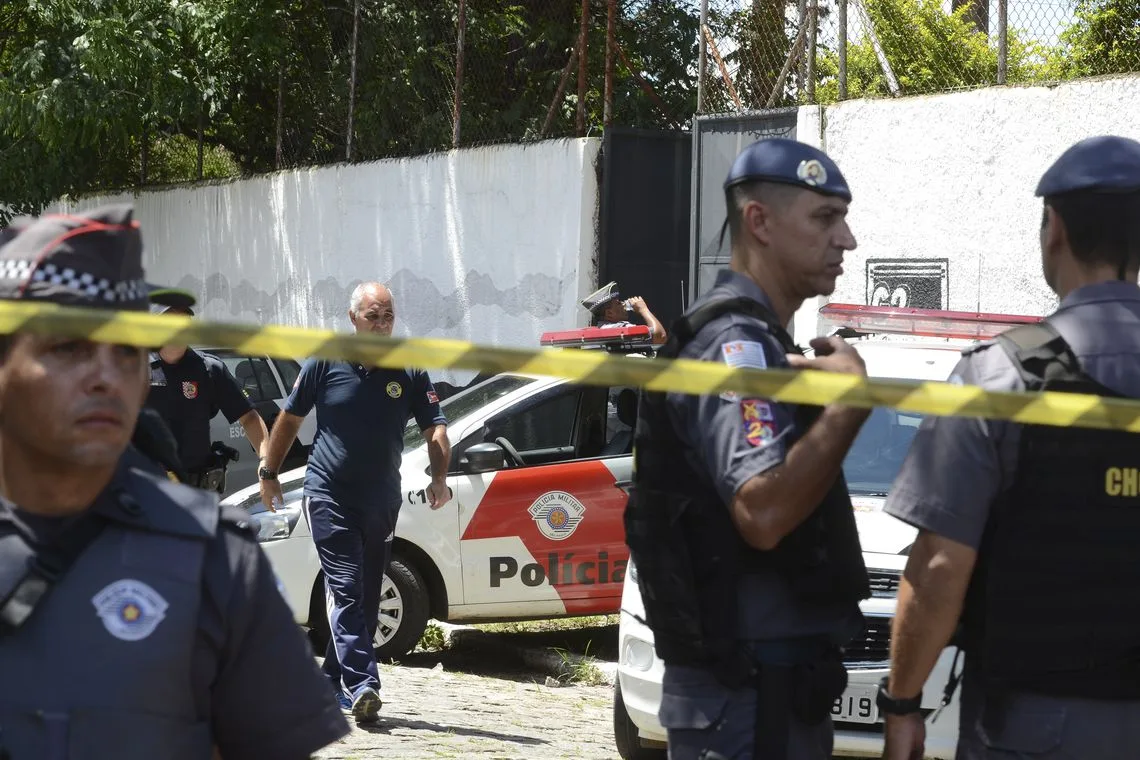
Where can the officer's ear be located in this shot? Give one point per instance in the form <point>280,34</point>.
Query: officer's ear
<point>1054,235</point>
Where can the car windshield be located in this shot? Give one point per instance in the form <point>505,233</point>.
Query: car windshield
<point>469,400</point>
<point>878,452</point>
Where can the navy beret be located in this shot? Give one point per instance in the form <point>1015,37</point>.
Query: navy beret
<point>1105,163</point>
<point>789,162</point>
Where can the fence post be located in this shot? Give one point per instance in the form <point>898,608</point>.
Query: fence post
<point>280,111</point>
<point>611,15</point>
<point>582,30</point>
<point>1003,42</point>
<point>843,49</point>
<point>352,81</point>
<point>813,29</point>
<point>457,105</point>
<point>702,59</point>
<point>801,67</point>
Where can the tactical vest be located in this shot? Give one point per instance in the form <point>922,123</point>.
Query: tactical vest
<point>102,667</point>
<point>1053,606</point>
<point>687,552</point>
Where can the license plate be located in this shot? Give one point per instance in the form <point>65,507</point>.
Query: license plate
<point>857,705</point>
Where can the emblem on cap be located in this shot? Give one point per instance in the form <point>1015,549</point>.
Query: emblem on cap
<point>130,609</point>
<point>812,172</point>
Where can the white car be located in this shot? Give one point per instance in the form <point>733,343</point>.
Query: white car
<point>870,468</point>
<point>534,529</point>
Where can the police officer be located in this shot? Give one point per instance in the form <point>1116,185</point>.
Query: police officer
<point>137,618</point>
<point>1027,533</point>
<point>352,486</point>
<point>739,522</point>
<point>609,309</point>
<point>187,388</point>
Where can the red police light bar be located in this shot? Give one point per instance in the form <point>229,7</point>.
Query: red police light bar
<point>599,337</point>
<point>932,322</point>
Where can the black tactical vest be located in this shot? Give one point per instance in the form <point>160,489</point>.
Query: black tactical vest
<point>687,552</point>
<point>1054,603</point>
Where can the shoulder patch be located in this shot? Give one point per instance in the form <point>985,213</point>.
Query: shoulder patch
<point>744,353</point>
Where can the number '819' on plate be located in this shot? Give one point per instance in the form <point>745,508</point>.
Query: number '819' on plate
<point>856,705</point>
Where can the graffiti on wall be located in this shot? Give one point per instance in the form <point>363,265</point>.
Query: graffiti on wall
<point>909,283</point>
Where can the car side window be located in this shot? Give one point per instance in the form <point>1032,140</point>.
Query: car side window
<point>546,425</point>
<point>621,420</point>
<point>254,377</point>
<point>288,369</point>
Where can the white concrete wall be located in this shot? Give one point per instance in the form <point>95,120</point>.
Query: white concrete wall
<point>953,177</point>
<point>493,245</point>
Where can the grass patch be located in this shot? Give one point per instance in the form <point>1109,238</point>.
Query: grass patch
<point>432,639</point>
<point>554,624</point>
<point>580,669</point>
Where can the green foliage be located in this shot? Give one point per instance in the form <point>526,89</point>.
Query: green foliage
<point>1104,39</point>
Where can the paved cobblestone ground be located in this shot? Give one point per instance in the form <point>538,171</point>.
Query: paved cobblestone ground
<point>474,708</point>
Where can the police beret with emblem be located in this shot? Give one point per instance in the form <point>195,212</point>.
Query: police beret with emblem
<point>601,296</point>
<point>788,162</point>
<point>91,259</point>
<point>1106,163</point>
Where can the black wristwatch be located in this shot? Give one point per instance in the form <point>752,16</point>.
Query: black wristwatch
<point>893,706</point>
<point>264,473</point>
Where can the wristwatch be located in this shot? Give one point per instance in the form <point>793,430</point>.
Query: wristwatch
<point>893,706</point>
<point>264,473</point>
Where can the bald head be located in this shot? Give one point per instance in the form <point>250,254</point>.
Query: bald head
<point>370,309</point>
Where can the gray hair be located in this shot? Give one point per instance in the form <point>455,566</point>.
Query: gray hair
<point>358,295</point>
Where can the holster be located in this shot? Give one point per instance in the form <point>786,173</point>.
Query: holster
<point>816,686</point>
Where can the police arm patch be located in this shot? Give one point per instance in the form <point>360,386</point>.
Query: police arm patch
<point>744,353</point>
<point>758,423</point>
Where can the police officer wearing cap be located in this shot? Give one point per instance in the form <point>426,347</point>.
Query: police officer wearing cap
<point>138,619</point>
<point>1026,551</point>
<point>739,523</point>
<point>609,309</point>
<point>188,388</point>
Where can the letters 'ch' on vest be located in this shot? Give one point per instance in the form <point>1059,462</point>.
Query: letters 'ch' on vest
<point>1053,605</point>
<point>102,667</point>
<point>689,555</point>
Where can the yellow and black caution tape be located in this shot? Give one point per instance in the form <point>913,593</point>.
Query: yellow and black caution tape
<point>586,367</point>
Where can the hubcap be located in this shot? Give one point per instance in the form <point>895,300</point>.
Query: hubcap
<point>391,612</point>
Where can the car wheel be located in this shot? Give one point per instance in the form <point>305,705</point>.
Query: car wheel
<point>403,610</point>
<point>626,736</point>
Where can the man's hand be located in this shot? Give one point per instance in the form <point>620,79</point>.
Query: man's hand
<point>905,737</point>
<point>438,494</point>
<point>270,493</point>
<point>831,355</point>
<point>637,303</point>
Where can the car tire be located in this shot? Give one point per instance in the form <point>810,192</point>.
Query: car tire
<point>625,733</point>
<point>410,591</point>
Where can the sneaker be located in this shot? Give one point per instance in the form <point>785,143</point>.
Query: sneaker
<point>344,702</point>
<point>366,706</point>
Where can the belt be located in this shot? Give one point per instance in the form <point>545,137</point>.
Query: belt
<point>790,651</point>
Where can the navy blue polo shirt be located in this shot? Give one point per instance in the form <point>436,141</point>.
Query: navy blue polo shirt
<point>361,416</point>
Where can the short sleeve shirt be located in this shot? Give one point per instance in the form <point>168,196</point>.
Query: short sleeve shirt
<point>188,394</point>
<point>733,439</point>
<point>957,467</point>
<point>361,417</point>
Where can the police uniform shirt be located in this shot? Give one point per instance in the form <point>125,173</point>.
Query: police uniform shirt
<point>361,417</point>
<point>958,466</point>
<point>734,439</point>
<point>188,394</point>
<point>252,671</point>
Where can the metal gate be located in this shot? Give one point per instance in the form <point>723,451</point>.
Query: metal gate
<point>717,140</point>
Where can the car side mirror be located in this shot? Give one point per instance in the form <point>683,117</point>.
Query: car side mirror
<point>483,457</point>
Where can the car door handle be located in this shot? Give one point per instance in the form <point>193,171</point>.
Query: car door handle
<point>624,485</point>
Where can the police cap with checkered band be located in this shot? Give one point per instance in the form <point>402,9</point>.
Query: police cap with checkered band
<point>788,162</point>
<point>91,259</point>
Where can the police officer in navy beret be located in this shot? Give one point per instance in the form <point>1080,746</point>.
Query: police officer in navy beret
<point>1026,551</point>
<point>609,309</point>
<point>739,522</point>
<point>138,619</point>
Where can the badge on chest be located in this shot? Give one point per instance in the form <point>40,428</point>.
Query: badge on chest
<point>130,609</point>
<point>190,389</point>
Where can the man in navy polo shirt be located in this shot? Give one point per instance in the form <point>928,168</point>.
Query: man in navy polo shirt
<point>352,486</point>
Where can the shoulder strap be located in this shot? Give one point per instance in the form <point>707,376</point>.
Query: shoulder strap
<point>1041,355</point>
<point>21,592</point>
<point>686,328</point>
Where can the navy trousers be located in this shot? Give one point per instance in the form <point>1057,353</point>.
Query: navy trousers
<point>354,547</point>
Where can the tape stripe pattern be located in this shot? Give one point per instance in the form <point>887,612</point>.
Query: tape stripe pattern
<point>587,367</point>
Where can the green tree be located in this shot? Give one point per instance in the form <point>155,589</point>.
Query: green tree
<point>1103,39</point>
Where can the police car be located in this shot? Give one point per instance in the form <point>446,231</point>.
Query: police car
<point>908,344</point>
<point>266,382</point>
<point>538,471</point>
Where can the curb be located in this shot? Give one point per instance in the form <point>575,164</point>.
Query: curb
<point>554,664</point>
